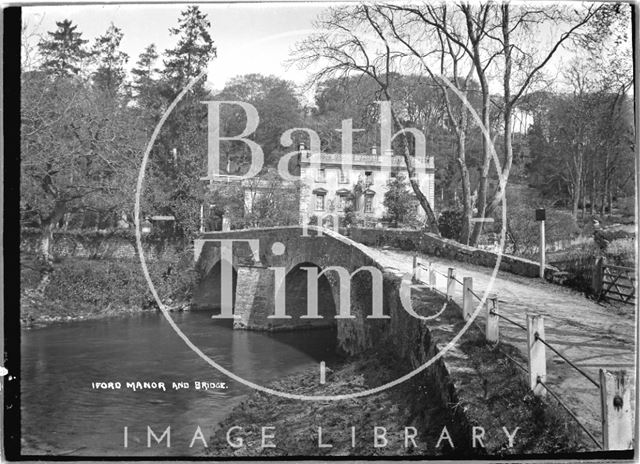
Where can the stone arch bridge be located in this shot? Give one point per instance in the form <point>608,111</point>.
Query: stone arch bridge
<point>260,263</point>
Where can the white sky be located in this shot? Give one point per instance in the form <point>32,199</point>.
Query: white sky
<point>250,38</point>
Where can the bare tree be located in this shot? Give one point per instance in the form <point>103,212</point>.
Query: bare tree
<point>77,152</point>
<point>499,39</point>
<point>444,61</point>
<point>521,67</point>
<point>343,47</point>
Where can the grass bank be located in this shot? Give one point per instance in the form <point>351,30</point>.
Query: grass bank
<point>296,423</point>
<point>410,408</point>
<point>82,288</point>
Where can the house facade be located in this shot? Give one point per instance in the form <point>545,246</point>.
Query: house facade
<point>332,183</point>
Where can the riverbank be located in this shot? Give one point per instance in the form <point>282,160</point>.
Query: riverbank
<point>409,415</point>
<point>296,423</point>
<point>35,311</point>
<point>84,289</point>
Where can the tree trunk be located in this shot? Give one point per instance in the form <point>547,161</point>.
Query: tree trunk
<point>576,196</point>
<point>593,195</point>
<point>507,149</point>
<point>486,122</point>
<point>605,184</point>
<point>432,222</point>
<point>422,199</point>
<point>46,256</point>
<point>46,245</point>
<point>584,203</point>
<point>484,170</point>
<point>424,203</point>
<point>466,193</point>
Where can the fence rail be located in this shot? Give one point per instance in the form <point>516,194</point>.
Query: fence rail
<point>614,283</point>
<point>614,386</point>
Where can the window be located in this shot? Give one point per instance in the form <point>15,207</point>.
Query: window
<point>343,199</point>
<point>344,178</point>
<point>321,175</point>
<point>342,202</point>
<point>319,202</point>
<point>368,204</point>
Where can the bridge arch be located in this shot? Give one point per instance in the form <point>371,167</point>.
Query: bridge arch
<point>208,293</point>
<point>296,294</point>
<point>258,256</point>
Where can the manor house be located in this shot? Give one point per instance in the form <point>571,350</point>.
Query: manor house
<point>330,186</point>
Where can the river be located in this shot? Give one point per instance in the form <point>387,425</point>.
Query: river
<point>63,414</point>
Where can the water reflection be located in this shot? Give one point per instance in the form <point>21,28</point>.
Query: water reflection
<point>62,414</point>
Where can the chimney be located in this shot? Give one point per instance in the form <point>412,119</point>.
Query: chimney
<point>374,151</point>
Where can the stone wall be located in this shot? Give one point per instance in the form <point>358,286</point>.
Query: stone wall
<point>418,344</point>
<point>430,244</point>
<point>115,244</point>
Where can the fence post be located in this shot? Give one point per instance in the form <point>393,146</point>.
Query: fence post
<point>432,276</point>
<point>537,354</point>
<point>492,329</point>
<point>543,247</point>
<point>596,280</point>
<point>467,297</point>
<point>617,423</point>
<point>451,283</point>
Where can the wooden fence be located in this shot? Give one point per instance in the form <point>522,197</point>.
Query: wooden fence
<point>614,283</point>
<point>615,387</point>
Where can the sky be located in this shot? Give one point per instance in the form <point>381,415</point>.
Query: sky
<point>250,38</point>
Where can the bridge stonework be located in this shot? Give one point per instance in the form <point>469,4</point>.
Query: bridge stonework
<point>254,292</point>
<point>412,341</point>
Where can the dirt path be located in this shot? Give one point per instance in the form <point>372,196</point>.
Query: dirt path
<point>591,335</point>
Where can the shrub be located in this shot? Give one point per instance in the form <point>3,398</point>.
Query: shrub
<point>605,237</point>
<point>621,252</point>
<point>627,205</point>
<point>561,225</point>
<point>450,223</point>
<point>523,231</point>
<point>350,217</point>
<point>81,286</point>
<point>97,283</point>
<point>399,201</point>
<point>578,262</point>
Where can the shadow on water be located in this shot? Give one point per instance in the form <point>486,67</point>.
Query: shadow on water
<point>270,348</point>
<point>316,337</point>
<point>62,413</point>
